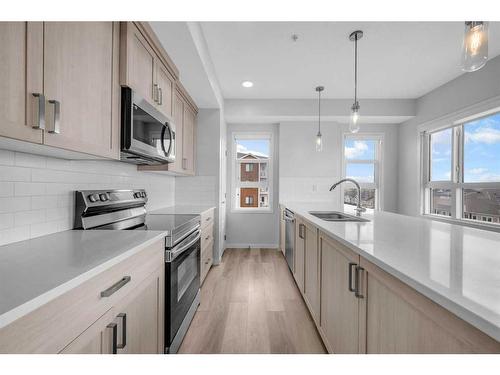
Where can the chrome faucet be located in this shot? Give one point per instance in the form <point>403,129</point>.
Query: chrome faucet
<point>358,209</point>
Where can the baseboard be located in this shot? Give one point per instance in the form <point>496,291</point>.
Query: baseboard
<point>251,245</point>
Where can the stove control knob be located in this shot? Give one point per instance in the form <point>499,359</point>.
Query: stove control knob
<point>137,195</point>
<point>93,197</point>
<point>104,197</point>
<point>144,194</point>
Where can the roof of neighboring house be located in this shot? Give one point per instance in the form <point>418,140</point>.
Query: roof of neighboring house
<point>246,155</point>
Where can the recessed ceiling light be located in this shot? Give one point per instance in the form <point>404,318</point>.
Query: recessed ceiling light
<point>247,84</point>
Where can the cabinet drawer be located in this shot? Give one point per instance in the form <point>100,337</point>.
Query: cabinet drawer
<point>207,235</point>
<point>206,259</point>
<point>52,326</point>
<point>207,218</point>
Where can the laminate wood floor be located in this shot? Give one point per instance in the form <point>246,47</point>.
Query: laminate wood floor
<point>250,304</point>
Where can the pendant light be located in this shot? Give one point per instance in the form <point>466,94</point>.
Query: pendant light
<point>354,119</point>
<point>319,141</point>
<point>475,46</point>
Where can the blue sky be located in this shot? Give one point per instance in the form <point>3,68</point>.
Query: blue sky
<point>256,146</point>
<point>481,151</point>
<point>360,150</point>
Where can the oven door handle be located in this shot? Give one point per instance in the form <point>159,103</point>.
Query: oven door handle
<point>180,248</point>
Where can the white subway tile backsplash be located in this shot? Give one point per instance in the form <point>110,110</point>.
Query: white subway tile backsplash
<point>22,189</point>
<point>6,221</point>
<point>29,160</point>
<point>14,204</point>
<point>12,174</point>
<point>37,193</point>
<point>6,189</point>
<point>29,217</point>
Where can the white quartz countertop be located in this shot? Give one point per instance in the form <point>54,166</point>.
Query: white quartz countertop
<point>36,271</point>
<point>455,266</point>
<point>183,209</point>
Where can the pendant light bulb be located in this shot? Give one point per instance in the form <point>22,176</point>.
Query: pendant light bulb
<point>354,119</point>
<point>475,46</point>
<point>319,140</point>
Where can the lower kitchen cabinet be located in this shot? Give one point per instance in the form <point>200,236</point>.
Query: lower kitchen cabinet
<point>340,307</point>
<point>401,320</point>
<point>311,270</point>
<point>120,310</point>
<point>207,242</point>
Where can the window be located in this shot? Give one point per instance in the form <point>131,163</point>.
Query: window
<point>252,163</point>
<point>461,171</point>
<point>362,154</point>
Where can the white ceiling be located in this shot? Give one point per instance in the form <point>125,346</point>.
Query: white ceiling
<point>396,60</point>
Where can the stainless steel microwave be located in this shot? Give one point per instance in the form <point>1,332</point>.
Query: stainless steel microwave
<point>147,135</point>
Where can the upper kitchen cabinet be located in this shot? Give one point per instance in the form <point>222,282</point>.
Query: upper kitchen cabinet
<point>81,86</point>
<point>145,67</point>
<point>59,85</point>
<point>21,76</point>
<point>188,137</point>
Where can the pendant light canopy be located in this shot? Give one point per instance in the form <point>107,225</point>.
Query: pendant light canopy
<point>475,46</point>
<point>319,141</point>
<point>354,119</point>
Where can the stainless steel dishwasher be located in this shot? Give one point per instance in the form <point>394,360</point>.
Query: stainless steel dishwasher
<point>289,217</point>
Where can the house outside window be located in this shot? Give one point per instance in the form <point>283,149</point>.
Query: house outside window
<point>461,171</point>
<point>252,165</point>
<point>362,162</point>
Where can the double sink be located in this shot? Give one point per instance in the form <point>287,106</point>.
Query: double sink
<point>336,216</point>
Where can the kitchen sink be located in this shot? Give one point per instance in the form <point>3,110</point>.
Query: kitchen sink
<point>336,216</point>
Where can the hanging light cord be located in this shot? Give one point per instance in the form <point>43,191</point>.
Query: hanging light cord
<point>319,112</point>
<point>355,69</point>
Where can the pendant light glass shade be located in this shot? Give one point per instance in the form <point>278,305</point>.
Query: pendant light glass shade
<point>475,46</point>
<point>319,140</point>
<point>353,120</point>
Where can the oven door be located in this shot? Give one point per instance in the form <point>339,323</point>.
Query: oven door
<point>182,278</point>
<point>146,131</point>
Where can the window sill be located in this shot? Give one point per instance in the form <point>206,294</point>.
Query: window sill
<point>464,223</point>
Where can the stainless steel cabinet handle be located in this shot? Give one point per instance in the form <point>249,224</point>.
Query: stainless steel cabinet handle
<point>206,238</point>
<point>349,282</point>
<point>302,231</point>
<point>359,272</point>
<point>114,339</point>
<point>155,92</point>
<point>56,117</point>
<point>123,316</point>
<point>113,288</point>
<point>39,111</point>
<point>160,97</point>
<point>184,163</point>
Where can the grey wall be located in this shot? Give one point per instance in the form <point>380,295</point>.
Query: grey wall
<point>253,229</point>
<point>306,175</point>
<point>466,90</point>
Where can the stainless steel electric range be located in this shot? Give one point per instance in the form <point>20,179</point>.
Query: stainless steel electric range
<point>126,210</point>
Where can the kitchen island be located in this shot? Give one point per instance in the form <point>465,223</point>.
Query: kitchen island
<point>451,266</point>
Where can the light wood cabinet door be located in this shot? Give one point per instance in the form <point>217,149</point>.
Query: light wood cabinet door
<point>81,82</point>
<point>137,63</point>
<point>178,116</point>
<point>188,140</point>
<point>339,306</point>
<point>21,75</point>
<point>312,271</point>
<point>165,83</point>
<point>97,339</point>
<point>299,266</point>
<point>401,320</point>
<point>140,318</point>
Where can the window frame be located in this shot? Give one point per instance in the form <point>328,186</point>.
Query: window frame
<point>377,163</point>
<point>456,184</point>
<point>236,182</point>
